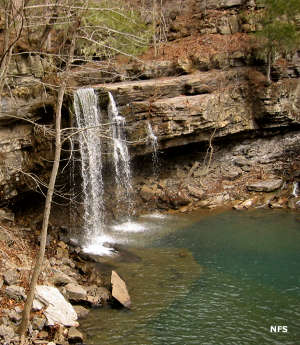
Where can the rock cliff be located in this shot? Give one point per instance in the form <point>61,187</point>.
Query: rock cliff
<point>206,85</point>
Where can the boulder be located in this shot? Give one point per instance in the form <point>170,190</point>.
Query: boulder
<point>265,186</point>
<point>11,277</point>
<point>58,310</point>
<point>61,278</point>
<point>74,336</point>
<point>16,292</point>
<point>75,292</point>
<point>119,290</point>
<point>81,311</point>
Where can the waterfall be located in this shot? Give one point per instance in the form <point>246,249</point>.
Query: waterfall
<point>88,121</point>
<point>295,190</point>
<point>152,139</point>
<point>121,157</point>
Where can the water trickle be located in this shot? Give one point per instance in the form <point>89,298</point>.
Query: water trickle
<point>295,190</point>
<point>152,139</point>
<point>88,121</point>
<point>121,157</point>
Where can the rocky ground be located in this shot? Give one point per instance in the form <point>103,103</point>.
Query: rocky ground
<point>73,280</point>
<point>250,173</point>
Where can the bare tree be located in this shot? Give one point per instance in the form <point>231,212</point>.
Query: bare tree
<point>48,202</point>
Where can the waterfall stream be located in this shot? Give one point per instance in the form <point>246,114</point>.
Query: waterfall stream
<point>152,140</point>
<point>295,190</point>
<point>121,157</point>
<point>88,121</point>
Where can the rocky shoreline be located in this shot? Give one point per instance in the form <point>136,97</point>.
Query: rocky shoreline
<point>83,285</point>
<point>68,288</point>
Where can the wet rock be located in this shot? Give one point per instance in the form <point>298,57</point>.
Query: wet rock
<point>81,311</point>
<point>119,290</point>
<point>292,203</point>
<point>74,336</point>
<point>75,292</point>
<point>11,277</point>
<point>93,301</point>
<point>101,292</point>
<point>249,202</point>
<point>58,310</point>
<point>265,186</point>
<point>267,198</point>
<point>16,292</point>
<point>280,203</point>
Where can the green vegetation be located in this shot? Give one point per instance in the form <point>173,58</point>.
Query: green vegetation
<point>109,28</point>
<point>280,33</point>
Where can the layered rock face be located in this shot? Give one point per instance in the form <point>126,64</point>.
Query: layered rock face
<point>24,148</point>
<point>206,84</point>
<point>203,105</point>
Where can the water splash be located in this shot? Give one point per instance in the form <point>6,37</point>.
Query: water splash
<point>88,120</point>
<point>121,157</point>
<point>152,139</point>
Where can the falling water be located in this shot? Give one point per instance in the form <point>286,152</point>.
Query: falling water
<point>88,120</point>
<point>121,157</point>
<point>295,189</point>
<point>152,139</point>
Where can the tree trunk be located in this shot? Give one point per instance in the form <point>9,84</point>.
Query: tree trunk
<point>269,62</point>
<point>39,262</point>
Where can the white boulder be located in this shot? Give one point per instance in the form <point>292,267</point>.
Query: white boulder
<point>58,310</point>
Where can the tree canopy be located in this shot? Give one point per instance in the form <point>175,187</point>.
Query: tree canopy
<point>280,30</point>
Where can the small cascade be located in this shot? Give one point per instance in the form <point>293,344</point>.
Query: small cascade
<point>152,140</point>
<point>121,157</point>
<point>88,121</point>
<point>295,190</point>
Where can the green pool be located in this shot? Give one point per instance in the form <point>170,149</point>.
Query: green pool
<point>213,279</point>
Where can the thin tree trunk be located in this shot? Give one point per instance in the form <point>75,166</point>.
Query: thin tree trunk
<point>269,62</point>
<point>39,262</point>
<point>154,18</point>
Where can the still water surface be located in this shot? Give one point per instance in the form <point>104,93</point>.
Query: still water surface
<point>219,279</point>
